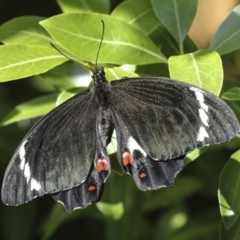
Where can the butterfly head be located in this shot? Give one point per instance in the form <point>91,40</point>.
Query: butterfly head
<point>98,76</point>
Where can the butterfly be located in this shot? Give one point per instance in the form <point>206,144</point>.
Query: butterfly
<point>157,122</point>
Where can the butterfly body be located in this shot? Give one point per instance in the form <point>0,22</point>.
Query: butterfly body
<point>157,122</point>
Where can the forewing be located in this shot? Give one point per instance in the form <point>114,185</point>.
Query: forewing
<point>170,118</point>
<point>56,154</point>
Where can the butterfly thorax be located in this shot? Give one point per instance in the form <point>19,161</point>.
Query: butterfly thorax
<point>104,122</point>
<point>101,90</point>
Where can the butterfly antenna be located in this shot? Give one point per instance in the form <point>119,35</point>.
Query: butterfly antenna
<point>61,52</point>
<point>103,28</point>
<point>71,59</point>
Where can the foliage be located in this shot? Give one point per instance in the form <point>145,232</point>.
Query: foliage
<point>140,38</point>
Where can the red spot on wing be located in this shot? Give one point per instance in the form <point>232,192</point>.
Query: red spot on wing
<point>127,158</point>
<point>102,165</point>
<point>92,188</point>
<point>143,175</point>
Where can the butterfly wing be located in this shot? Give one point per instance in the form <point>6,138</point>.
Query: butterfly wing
<point>170,118</point>
<point>88,192</point>
<point>91,190</point>
<point>147,173</point>
<point>159,119</point>
<point>56,154</point>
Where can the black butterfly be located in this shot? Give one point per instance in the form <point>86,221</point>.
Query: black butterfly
<point>157,122</point>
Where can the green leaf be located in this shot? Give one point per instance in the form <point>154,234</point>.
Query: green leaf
<point>31,109</point>
<point>227,85</point>
<point>193,155</point>
<point>24,30</point>
<point>232,234</point>
<point>232,94</point>
<point>153,70</point>
<point>227,37</point>
<point>67,75</point>
<point>229,190</point>
<point>136,13</point>
<point>111,210</point>
<point>65,95</point>
<point>235,105</point>
<point>122,43</point>
<point>19,61</point>
<point>117,73</point>
<point>115,166</point>
<point>67,6</point>
<point>202,68</point>
<point>163,38</point>
<point>112,146</point>
<point>176,16</point>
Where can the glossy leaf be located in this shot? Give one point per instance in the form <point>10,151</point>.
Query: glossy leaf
<point>136,14</point>
<point>232,94</point>
<point>193,155</point>
<point>67,6</point>
<point>19,61</point>
<point>72,32</point>
<point>118,73</point>
<point>153,70</point>
<point>227,37</point>
<point>229,188</point>
<point>202,68</point>
<point>31,109</point>
<point>176,16</point>
<point>24,30</point>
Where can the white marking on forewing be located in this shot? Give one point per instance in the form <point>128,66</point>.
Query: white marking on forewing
<point>203,117</point>
<point>133,145</point>
<point>35,184</point>
<point>200,97</point>
<point>202,133</point>
<point>204,106</point>
<point>22,163</point>
<point>27,171</point>
<point>195,89</point>
<point>22,153</point>
<point>202,111</point>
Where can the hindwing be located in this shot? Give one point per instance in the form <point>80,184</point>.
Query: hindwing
<point>148,173</point>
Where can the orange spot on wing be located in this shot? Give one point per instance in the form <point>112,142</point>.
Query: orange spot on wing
<point>92,188</point>
<point>127,159</point>
<point>102,165</point>
<point>143,175</point>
